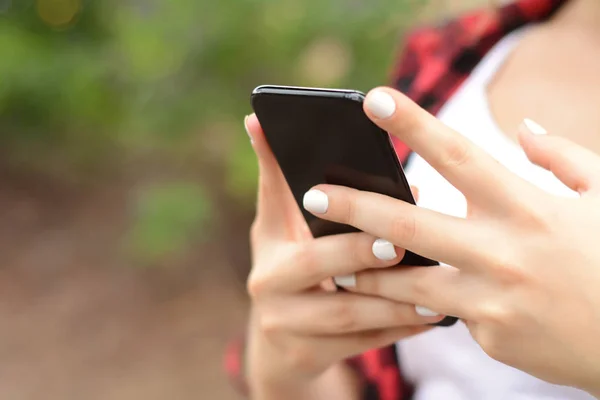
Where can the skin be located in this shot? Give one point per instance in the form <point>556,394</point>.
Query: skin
<point>300,328</point>
<point>526,267</point>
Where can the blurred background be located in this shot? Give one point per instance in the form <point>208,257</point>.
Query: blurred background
<point>127,182</point>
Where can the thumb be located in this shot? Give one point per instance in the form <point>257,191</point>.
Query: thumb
<point>574,165</point>
<point>274,195</point>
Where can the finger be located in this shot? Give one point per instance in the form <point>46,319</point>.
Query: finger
<point>415,193</point>
<point>357,343</point>
<point>259,144</point>
<point>477,175</point>
<point>428,233</point>
<point>438,289</point>
<point>337,255</point>
<point>314,349</point>
<point>339,313</point>
<point>273,192</point>
<point>575,166</point>
<point>346,176</point>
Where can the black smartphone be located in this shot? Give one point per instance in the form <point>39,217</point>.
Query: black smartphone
<point>323,136</point>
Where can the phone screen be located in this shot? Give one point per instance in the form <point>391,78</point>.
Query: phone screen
<point>325,137</point>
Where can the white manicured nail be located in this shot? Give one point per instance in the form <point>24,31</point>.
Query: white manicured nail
<point>380,104</point>
<point>534,127</point>
<point>345,280</point>
<point>248,130</point>
<point>425,312</point>
<point>384,250</point>
<point>315,201</point>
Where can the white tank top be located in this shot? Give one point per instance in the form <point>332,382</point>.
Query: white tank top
<point>446,363</point>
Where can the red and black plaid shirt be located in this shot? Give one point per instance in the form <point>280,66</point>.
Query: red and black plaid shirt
<point>433,63</point>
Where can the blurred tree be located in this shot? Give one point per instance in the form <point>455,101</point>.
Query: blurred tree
<point>165,218</point>
<point>85,84</point>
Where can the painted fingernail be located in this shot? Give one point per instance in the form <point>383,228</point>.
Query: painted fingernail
<point>380,104</point>
<point>248,130</point>
<point>345,280</point>
<point>425,312</point>
<point>384,250</point>
<point>315,201</point>
<point>534,127</point>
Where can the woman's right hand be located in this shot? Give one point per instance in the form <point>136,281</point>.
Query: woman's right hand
<point>300,326</point>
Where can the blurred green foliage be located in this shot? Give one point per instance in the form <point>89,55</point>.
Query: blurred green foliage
<point>85,83</point>
<point>166,216</point>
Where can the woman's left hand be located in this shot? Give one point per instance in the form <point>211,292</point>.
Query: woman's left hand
<point>526,264</point>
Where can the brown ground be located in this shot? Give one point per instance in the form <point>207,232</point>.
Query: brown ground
<point>77,323</point>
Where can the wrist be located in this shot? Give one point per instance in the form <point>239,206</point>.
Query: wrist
<point>339,381</point>
<point>267,380</point>
<point>268,373</point>
<point>266,365</point>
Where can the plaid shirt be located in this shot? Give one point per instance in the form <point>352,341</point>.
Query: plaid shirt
<point>433,63</point>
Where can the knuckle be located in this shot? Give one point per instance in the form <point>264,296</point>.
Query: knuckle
<point>269,326</point>
<point>368,282</point>
<point>349,210</point>
<point>378,336</point>
<point>544,217</point>
<point>403,314</point>
<point>507,270</point>
<point>496,314</point>
<point>537,216</point>
<point>360,250</point>
<point>257,285</point>
<point>422,287</point>
<point>456,153</point>
<point>306,260</point>
<point>342,316</point>
<point>403,228</point>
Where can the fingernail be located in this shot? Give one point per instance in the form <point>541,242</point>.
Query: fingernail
<point>534,127</point>
<point>384,250</point>
<point>380,104</point>
<point>315,201</point>
<point>345,280</point>
<point>425,312</point>
<point>248,130</point>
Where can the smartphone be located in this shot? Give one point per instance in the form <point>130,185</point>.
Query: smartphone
<point>323,136</point>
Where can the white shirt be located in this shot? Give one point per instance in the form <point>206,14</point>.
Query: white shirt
<point>446,363</point>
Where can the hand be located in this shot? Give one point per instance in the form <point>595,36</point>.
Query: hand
<point>300,326</point>
<point>526,264</point>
